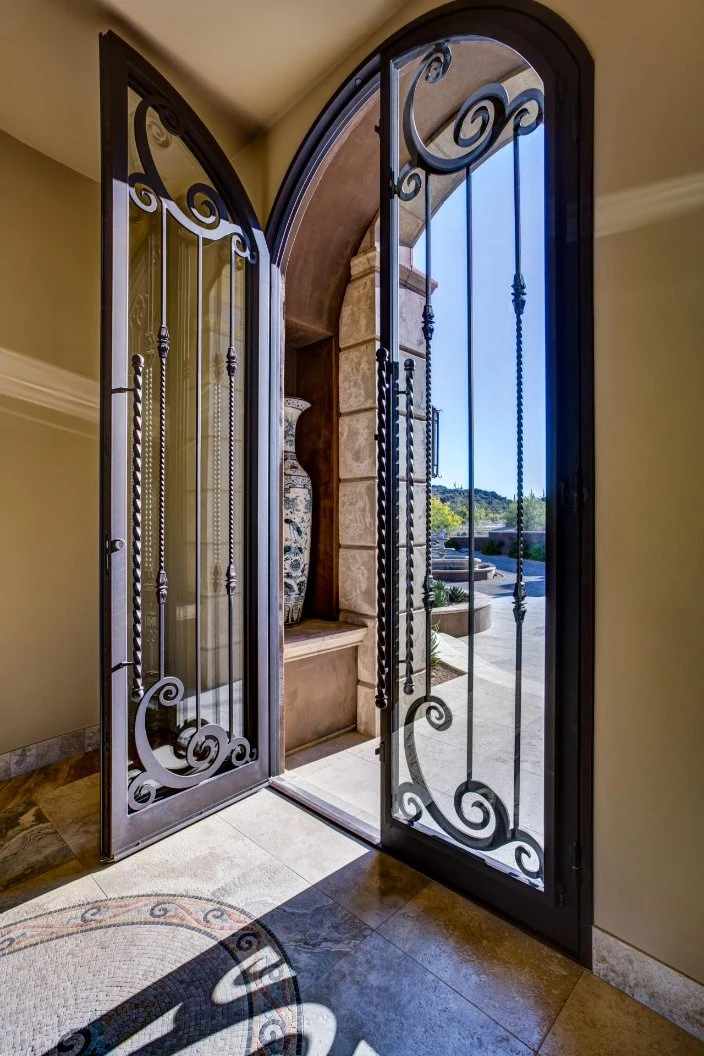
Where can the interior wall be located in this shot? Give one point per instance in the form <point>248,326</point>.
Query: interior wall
<point>49,310</point>
<point>649,851</point>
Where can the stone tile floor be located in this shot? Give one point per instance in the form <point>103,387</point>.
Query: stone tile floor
<point>263,929</point>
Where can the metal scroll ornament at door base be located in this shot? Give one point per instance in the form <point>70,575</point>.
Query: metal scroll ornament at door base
<point>486,823</point>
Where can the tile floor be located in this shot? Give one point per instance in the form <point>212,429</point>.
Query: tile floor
<point>262,929</point>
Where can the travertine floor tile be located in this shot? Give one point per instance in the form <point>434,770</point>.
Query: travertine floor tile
<point>298,839</point>
<point>374,886</point>
<point>67,893</point>
<point>208,858</point>
<point>315,931</point>
<point>599,1020</point>
<point>74,811</point>
<point>517,981</point>
<point>378,1000</point>
<point>29,845</point>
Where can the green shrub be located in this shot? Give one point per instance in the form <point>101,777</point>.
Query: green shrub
<point>450,544</point>
<point>491,547</point>
<point>439,594</point>
<point>531,551</point>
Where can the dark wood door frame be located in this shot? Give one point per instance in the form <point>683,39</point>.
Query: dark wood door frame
<point>559,56</point>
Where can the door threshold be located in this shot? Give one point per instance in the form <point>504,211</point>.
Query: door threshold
<point>348,822</point>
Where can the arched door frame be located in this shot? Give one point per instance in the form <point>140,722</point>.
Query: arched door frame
<point>563,62</point>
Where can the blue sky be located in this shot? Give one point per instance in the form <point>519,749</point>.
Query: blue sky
<point>494,324</point>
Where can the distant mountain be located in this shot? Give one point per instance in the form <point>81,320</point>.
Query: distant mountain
<point>458,499</point>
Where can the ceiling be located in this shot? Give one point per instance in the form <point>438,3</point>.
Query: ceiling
<point>242,63</point>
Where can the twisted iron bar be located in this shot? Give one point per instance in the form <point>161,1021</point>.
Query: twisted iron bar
<point>409,370</point>
<point>518,298</point>
<point>162,583</point>
<point>231,575</point>
<point>428,329</point>
<point>137,661</point>
<point>382,379</point>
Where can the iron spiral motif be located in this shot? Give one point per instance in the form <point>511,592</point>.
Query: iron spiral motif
<point>477,127</point>
<point>199,748</point>
<point>478,124</point>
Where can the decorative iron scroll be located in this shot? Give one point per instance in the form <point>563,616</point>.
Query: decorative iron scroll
<point>492,827</point>
<point>477,128</point>
<point>205,749</point>
<point>200,748</point>
<point>478,124</point>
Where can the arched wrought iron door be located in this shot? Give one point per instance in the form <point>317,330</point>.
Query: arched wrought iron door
<point>185,464</point>
<point>486,767</point>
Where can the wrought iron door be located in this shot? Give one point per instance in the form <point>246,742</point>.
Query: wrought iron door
<point>185,472</point>
<point>482,768</point>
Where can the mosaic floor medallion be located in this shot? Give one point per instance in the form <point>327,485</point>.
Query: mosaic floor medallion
<point>149,974</point>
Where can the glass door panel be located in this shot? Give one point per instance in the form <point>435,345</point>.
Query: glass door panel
<point>468,581</point>
<point>186,719</point>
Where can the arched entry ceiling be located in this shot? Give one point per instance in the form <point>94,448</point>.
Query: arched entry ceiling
<point>342,202</point>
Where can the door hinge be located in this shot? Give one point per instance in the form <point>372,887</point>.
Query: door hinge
<point>112,546</point>
<point>573,494</point>
<point>380,751</point>
<point>576,862</point>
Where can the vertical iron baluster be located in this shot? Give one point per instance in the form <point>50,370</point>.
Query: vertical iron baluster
<point>199,458</point>
<point>519,593</point>
<point>382,379</point>
<point>409,368</point>
<point>470,478</point>
<point>137,669</point>
<point>231,577</point>
<point>428,330</point>
<point>162,585</point>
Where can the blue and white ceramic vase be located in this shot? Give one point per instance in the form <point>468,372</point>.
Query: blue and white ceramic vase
<point>298,516</point>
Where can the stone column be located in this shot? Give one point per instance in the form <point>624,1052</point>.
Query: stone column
<point>358,342</point>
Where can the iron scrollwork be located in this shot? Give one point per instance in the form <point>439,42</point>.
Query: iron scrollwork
<point>478,124</point>
<point>476,130</point>
<point>200,748</point>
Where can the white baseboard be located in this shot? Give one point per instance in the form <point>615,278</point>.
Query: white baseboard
<point>668,992</point>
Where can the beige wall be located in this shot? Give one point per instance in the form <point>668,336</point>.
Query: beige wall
<point>649,842</point>
<point>49,310</point>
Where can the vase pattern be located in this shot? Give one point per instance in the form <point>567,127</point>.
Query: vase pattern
<point>298,516</point>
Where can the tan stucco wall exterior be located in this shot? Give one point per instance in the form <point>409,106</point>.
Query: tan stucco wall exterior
<point>649,851</point>
<point>649,846</point>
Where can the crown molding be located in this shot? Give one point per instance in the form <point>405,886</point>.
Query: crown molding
<point>42,384</point>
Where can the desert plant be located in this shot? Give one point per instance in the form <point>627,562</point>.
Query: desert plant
<point>434,647</point>
<point>439,594</point>
<point>456,595</point>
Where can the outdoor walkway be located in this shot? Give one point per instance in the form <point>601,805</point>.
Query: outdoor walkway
<point>262,929</point>
<point>345,770</point>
